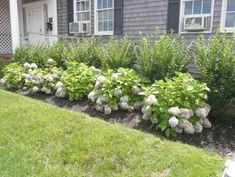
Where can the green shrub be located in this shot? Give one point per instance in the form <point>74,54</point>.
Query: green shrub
<point>79,80</point>
<point>37,54</point>
<point>2,65</point>
<point>216,61</point>
<point>161,57</point>
<point>116,53</point>
<point>13,76</point>
<point>83,51</point>
<point>177,105</point>
<point>117,90</point>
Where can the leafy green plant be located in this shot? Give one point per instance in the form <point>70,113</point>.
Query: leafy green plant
<point>37,54</point>
<point>79,80</point>
<point>216,61</point>
<point>177,105</point>
<point>83,51</point>
<point>116,53</point>
<point>117,90</point>
<point>2,65</point>
<point>13,76</point>
<point>158,58</point>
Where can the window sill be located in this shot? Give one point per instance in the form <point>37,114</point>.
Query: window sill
<point>196,32</point>
<point>104,33</point>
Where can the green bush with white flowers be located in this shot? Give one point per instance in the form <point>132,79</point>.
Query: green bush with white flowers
<point>79,80</point>
<point>177,105</point>
<point>117,90</point>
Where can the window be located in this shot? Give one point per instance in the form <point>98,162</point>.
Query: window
<point>82,11</point>
<point>104,17</point>
<point>228,15</point>
<point>196,16</point>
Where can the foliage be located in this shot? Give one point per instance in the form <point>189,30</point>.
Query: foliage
<point>13,76</point>
<point>177,105</point>
<point>161,57</point>
<point>79,80</point>
<point>116,53</point>
<point>2,65</point>
<point>83,51</point>
<point>37,54</point>
<point>117,90</point>
<point>216,61</point>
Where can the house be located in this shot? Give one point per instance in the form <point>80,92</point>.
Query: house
<point>33,21</point>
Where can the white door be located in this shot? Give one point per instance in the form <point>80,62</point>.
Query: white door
<point>34,17</point>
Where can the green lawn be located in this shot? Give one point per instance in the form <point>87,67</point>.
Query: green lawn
<point>37,139</point>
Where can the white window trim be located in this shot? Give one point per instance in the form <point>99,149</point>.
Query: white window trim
<point>98,33</point>
<point>182,8</point>
<point>223,19</point>
<point>75,13</point>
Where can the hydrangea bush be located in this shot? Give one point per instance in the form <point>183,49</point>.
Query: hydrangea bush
<point>177,105</point>
<point>79,80</point>
<point>117,90</point>
<point>29,77</point>
<point>13,76</point>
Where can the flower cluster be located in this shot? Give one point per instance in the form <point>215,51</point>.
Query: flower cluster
<point>177,112</point>
<point>117,90</point>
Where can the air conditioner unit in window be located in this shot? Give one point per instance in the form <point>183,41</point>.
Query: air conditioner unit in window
<point>74,28</point>
<point>79,28</point>
<point>194,23</point>
<point>84,27</point>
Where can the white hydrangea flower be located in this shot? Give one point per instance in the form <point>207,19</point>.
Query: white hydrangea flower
<point>92,68</point>
<point>48,92</point>
<point>50,61</point>
<point>147,110</point>
<point>187,127</point>
<point>107,110</point>
<point>33,66</point>
<point>99,108</point>
<point>27,65</point>
<point>115,107</point>
<point>99,101</point>
<point>49,78</point>
<point>24,88</point>
<point>2,81</point>
<point>136,90</point>
<point>27,76</point>
<point>138,106</point>
<point>175,111</point>
<point>124,105</point>
<point>198,127</point>
<point>43,89</point>
<point>186,113</point>
<point>207,107</point>
<point>154,120</point>
<point>92,96</point>
<point>151,100</point>
<point>124,99</point>
<point>116,75</point>
<point>206,123</point>
<point>117,92</point>
<point>173,122</point>
<point>35,89</point>
<point>58,85</point>
<point>104,98</point>
<point>100,79</point>
<point>178,129</point>
<point>60,93</point>
<point>131,109</point>
<point>202,112</point>
<point>145,117</point>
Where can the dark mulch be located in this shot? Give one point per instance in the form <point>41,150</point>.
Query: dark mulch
<point>220,138</point>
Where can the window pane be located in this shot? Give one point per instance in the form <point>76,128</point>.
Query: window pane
<point>110,25</point>
<point>110,3</point>
<point>188,7</point>
<point>99,4</point>
<point>100,25</point>
<point>105,3</point>
<point>231,5</point>
<point>206,7</point>
<point>197,7</point>
<point>106,26</point>
<point>78,6</point>
<point>230,20</point>
<point>110,14</point>
<point>106,15</point>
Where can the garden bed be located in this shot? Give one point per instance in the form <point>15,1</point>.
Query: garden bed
<point>221,137</point>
